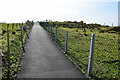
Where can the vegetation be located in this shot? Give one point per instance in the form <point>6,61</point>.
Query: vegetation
<point>106,59</point>
<point>0,51</point>
<point>82,25</point>
<point>18,33</point>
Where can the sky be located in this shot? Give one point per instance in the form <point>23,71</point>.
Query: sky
<point>89,11</point>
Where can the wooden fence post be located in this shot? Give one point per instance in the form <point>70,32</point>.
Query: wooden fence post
<point>48,27</point>
<point>56,35</point>
<point>22,38</point>
<point>66,42</point>
<point>27,32</point>
<point>8,54</point>
<point>51,30</point>
<point>91,55</point>
<point>44,26</point>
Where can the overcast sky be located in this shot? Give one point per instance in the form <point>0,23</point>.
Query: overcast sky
<point>90,11</point>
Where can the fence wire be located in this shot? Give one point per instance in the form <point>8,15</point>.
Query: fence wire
<point>106,56</point>
<point>78,48</point>
<point>105,62</point>
<point>17,34</point>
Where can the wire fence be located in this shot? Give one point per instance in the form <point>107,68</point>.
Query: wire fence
<point>79,45</point>
<point>106,59</point>
<point>13,41</point>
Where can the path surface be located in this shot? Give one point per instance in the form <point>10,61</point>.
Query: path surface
<point>43,59</point>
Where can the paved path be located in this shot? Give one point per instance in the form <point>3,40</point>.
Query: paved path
<point>43,59</point>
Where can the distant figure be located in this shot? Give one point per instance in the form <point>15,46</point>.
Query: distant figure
<point>112,24</point>
<point>104,24</point>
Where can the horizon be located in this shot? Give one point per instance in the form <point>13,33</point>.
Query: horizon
<point>100,12</point>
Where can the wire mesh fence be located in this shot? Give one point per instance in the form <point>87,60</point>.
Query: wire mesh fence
<point>106,56</point>
<point>78,48</point>
<point>105,61</point>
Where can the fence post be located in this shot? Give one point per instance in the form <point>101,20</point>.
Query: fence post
<point>45,26</point>
<point>56,35</point>
<point>66,42</point>
<point>51,31</point>
<point>48,27</point>
<point>91,55</point>
<point>22,38</point>
<point>8,55</point>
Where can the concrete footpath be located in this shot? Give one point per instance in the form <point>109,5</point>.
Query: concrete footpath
<point>43,59</point>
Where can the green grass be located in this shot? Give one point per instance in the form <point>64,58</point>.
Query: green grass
<point>106,59</point>
<point>0,36</point>
<point>15,48</point>
<point>0,51</point>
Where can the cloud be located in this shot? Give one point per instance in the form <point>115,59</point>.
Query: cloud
<point>20,10</point>
<point>97,0</point>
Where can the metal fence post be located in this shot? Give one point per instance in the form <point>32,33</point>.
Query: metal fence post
<point>91,55</point>
<point>8,54</point>
<point>66,42</point>
<point>56,35</point>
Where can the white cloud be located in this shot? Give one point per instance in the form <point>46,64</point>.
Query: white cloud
<point>20,10</point>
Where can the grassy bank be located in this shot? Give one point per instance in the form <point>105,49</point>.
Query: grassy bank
<point>106,59</point>
<point>15,45</point>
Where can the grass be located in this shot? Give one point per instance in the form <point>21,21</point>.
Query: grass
<point>15,48</point>
<point>105,54</point>
<point>0,51</point>
<point>0,37</point>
